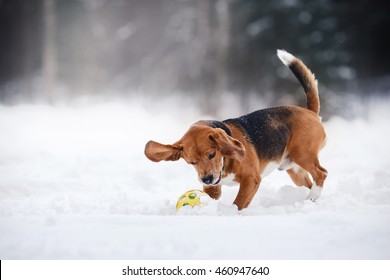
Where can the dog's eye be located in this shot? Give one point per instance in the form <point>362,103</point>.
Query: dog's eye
<point>212,155</point>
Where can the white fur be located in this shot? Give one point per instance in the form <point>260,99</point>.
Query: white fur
<point>295,167</point>
<point>229,180</point>
<point>271,166</point>
<point>315,193</point>
<point>289,164</point>
<point>285,57</point>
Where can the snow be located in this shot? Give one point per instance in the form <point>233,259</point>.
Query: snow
<point>75,184</point>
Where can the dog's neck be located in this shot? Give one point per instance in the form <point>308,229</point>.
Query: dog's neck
<point>227,166</point>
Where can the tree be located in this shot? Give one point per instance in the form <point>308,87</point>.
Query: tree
<point>49,51</point>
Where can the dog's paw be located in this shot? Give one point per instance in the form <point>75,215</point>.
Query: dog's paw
<point>315,193</point>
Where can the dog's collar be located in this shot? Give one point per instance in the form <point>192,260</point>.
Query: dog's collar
<point>221,125</point>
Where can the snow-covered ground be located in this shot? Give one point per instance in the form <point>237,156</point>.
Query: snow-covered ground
<point>75,184</point>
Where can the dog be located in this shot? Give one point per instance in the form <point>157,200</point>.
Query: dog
<point>246,149</point>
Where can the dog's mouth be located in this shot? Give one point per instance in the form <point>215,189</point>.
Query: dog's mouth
<point>215,183</point>
<point>219,179</point>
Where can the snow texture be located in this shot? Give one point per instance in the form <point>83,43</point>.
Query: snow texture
<point>75,184</point>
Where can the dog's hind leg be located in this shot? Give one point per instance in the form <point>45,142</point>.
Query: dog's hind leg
<point>310,163</point>
<point>300,177</point>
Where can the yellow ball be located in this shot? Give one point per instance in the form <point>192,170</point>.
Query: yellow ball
<point>190,198</point>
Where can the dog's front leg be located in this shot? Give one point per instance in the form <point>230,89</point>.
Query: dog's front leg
<point>248,189</point>
<point>213,191</point>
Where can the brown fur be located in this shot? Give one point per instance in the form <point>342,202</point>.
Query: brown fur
<point>217,152</point>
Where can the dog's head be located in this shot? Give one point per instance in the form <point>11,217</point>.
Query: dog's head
<point>202,146</point>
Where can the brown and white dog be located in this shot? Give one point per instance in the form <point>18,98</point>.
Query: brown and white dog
<point>248,148</point>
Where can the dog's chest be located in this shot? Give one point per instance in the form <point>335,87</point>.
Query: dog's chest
<point>229,180</point>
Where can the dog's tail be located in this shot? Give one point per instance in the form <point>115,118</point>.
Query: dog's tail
<point>305,77</point>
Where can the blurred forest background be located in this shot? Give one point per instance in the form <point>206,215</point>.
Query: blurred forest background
<point>58,50</point>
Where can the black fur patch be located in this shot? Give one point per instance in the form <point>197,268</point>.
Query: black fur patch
<point>217,124</point>
<point>267,130</point>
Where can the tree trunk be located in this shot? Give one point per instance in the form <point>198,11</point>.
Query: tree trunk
<point>49,55</point>
<point>222,49</point>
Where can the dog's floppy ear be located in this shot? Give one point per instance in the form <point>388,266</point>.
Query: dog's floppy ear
<point>229,147</point>
<point>157,152</point>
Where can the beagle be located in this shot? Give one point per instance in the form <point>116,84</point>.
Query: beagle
<point>248,148</point>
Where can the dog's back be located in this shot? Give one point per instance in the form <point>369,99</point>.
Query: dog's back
<point>268,130</point>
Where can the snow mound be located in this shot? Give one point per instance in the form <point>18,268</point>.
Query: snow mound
<point>75,184</point>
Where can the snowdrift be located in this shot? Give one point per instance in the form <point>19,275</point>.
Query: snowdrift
<point>74,184</point>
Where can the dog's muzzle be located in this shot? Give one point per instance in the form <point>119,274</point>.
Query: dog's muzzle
<point>210,180</point>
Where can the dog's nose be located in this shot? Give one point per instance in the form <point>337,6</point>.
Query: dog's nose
<point>208,179</point>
